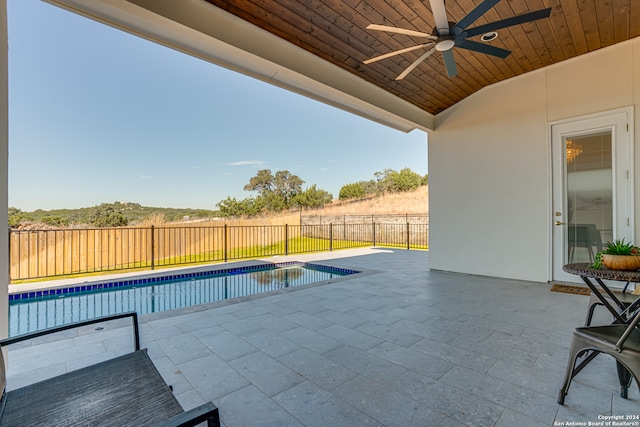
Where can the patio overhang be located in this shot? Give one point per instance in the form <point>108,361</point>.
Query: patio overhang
<point>214,35</point>
<point>320,48</point>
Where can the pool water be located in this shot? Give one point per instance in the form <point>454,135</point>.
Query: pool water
<point>36,311</point>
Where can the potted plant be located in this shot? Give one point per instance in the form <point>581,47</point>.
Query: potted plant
<point>618,255</point>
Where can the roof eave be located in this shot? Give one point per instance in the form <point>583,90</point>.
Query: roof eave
<point>204,31</point>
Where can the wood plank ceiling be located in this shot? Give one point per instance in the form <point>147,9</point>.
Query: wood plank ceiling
<point>335,30</point>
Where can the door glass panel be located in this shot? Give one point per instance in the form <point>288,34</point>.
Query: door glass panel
<point>589,185</point>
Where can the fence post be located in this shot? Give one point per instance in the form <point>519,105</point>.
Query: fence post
<point>330,236</point>
<point>225,243</point>
<point>344,227</point>
<point>286,239</point>
<point>153,246</point>
<point>408,239</point>
<point>373,224</point>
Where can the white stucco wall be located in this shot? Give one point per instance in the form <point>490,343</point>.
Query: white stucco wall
<point>489,162</point>
<point>4,181</point>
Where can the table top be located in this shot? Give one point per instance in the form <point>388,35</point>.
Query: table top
<point>585,270</point>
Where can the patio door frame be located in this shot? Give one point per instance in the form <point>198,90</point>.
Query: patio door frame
<point>620,123</point>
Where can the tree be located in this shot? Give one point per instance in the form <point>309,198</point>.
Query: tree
<point>262,182</point>
<point>16,217</point>
<point>55,221</point>
<point>287,184</point>
<point>370,187</point>
<point>230,207</point>
<point>425,179</point>
<point>312,197</point>
<point>382,180</point>
<point>106,215</point>
<point>404,180</point>
<point>276,191</point>
<point>351,191</point>
<point>272,202</point>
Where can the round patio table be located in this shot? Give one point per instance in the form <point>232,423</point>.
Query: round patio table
<point>585,269</point>
<point>588,273</point>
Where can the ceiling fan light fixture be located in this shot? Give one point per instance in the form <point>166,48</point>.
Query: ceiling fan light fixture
<point>445,43</point>
<point>487,37</point>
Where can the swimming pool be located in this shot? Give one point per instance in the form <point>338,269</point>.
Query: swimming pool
<point>36,310</point>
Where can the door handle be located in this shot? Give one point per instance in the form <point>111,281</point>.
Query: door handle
<point>559,223</point>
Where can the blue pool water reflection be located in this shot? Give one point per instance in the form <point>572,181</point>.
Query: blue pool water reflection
<point>30,312</point>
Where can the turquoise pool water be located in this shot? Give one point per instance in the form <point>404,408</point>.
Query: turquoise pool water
<point>34,311</point>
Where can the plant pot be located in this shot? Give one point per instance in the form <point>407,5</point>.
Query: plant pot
<point>621,262</point>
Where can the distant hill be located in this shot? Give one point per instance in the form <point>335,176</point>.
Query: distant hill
<point>133,212</point>
<point>409,202</point>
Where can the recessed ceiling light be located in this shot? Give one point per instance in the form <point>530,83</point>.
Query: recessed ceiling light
<point>487,37</point>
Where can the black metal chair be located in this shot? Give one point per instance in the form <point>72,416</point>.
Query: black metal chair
<point>125,390</point>
<point>621,341</point>
<point>622,303</point>
<point>583,236</point>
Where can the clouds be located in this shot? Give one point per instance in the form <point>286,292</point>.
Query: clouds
<point>254,163</point>
<point>144,177</point>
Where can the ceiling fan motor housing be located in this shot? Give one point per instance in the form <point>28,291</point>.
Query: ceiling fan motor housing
<point>446,39</point>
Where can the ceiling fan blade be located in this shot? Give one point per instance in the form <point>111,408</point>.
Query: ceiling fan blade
<point>440,16</point>
<point>520,19</point>
<point>449,63</point>
<point>397,52</point>
<point>483,48</point>
<point>472,16</point>
<point>400,31</point>
<point>415,64</point>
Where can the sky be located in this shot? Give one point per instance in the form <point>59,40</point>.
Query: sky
<point>97,115</point>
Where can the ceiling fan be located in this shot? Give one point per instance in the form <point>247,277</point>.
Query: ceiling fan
<point>447,35</point>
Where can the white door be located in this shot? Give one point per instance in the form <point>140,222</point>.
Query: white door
<point>592,166</point>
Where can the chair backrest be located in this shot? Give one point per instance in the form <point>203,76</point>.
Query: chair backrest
<point>583,235</point>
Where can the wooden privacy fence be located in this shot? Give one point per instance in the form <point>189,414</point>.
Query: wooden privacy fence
<point>50,253</point>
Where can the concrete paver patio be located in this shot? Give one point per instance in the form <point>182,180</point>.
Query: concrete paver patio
<point>398,346</point>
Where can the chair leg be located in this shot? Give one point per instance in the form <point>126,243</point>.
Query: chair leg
<point>564,390</point>
<point>576,350</point>
<point>625,378</point>
<point>568,375</point>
